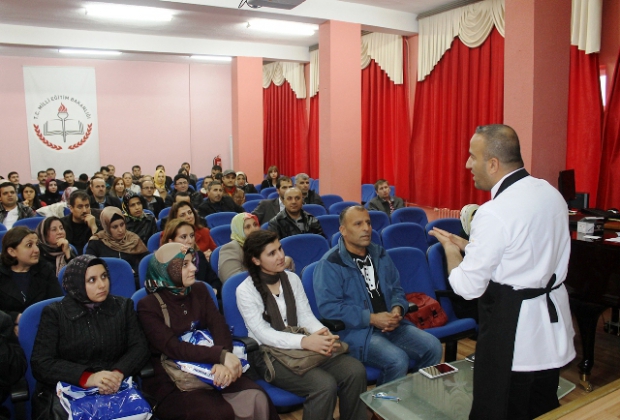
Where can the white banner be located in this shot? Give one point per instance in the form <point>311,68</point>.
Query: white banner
<point>61,111</point>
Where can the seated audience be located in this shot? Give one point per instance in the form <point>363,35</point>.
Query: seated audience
<point>13,177</point>
<point>57,209</point>
<point>185,172</point>
<point>216,169</point>
<point>267,209</point>
<point>10,210</point>
<point>13,362</point>
<point>293,220</point>
<point>129,185</point>
<point>25,278</point>
<point>137,221</point>
<point>182,232</point>
<point>168,179</point>
<point>192,177</point>
<point>185,211</point>
<point>171,275</point>
<point>88,339</point>
<point>205,186</point>
<point>83,178</point>
<point>228,182</point>
<point>117,190</point>
<point>217,201</point>
<point>302,181</point>
<point>71,182</point>
<point>40,187</point>
<point>51,173</point>
<point>271,299</point>
<point>153,203</point>
<point>30,197</point>
<point>115,241</point>
<point>100,200</point>
<point>181,184</point>
<point>53,244</point>
<point>242,182</point>
<point>160,183</point>
<point>272,178</point>
<point>239,197</point>
<point>383,202</point>
<point>80,225</point>
<point>51,196</point>
<point>231,254</point>
<point>136,174</point>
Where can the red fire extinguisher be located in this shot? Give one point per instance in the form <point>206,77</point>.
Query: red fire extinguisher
<point>217,161</point>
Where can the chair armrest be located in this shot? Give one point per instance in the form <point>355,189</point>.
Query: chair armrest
<point>147,371</point>
<point>445,293</point>
<point>412,307</point>
<point>249,343</point>
<point>333,324</point>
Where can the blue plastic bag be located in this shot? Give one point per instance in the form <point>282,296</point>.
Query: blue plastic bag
<point>87,404</point>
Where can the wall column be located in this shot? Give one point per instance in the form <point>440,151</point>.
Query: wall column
<point>340,105</point>
<point>247,117</point>
<point>537,59</point>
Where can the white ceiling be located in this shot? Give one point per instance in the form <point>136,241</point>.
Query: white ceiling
<point>39,27</point>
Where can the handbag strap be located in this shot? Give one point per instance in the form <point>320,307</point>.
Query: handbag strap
<point>164,309</point>
<point>270,373</point>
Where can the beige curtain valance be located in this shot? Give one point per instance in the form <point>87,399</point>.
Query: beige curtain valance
<point>293,73</point>
<point>585,27</point>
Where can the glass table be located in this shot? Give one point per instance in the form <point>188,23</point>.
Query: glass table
<point>448,397</point>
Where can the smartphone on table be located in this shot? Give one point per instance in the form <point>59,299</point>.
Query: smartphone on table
<point>436,371</point>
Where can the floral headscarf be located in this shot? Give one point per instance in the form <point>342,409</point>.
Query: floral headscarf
<point>236,226</point>
<point>74,280</point>
<point>164,271</point>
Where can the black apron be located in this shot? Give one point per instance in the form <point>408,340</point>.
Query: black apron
<point>499,309</point>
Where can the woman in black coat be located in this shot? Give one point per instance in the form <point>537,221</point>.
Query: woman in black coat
<point>88,339</point>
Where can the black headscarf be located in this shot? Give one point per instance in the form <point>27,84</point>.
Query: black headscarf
<point>74,280</point>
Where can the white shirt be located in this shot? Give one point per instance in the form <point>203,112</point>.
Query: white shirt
<point>251,306</point>
<point>11,218</point>
<point>521,239</point>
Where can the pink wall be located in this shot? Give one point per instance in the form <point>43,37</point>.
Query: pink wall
<point>149,113</point>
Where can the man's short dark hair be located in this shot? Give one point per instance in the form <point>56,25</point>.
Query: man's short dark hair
<point>502,143</point>
<point>212,183</point>
<point>283,178</point>
<point>40,172</point>
<point>379,183</point>
<point>216,167</point>
<point>218,176</point>
<point>344,211</point>
<point>5,184</point>
<point>11,174</point>
<point>51,169</point>
<point>182,194</point>
<point>83,177</point>
<point>67,172</point>
<point>81,194</point>
<point>181,176</point>
<point>104,168</point>
<point>136,167</point>
<point>159,166</point>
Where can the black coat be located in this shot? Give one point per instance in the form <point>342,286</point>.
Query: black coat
<point>78,234</point>
<point>267,210</point>
<point>226,204</point>
<point>109,201</point>
<point>144,228</point>
<point>313,198</point>
<point>12,359</point>
<point>72,339</point>
<point>194,197</point>
<point>155,207</point>
<point>284,226</point>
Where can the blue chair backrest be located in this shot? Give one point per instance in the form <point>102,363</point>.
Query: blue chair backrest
<point>375,238</point>
<point>219,219</point>
<point>368,192</point>
<point>304,249</point>
<point>249,206</point>
<point>164,212</point>
<point>315,185</point>
<point>221,234</point>
<point>2,233</point>
<point>143,268</point>
<point>329,223</point>
<point>404,234</point>
<point>450,224</point>
<point>436,258</point>
<point>266,191</point>
<point>66,211</point>
<point>379,220</point>
<point>413,270</point>
<point>214,259</point>
<point>315,209</point>
<point>147,211</point>
<point>307,279</point>
<point>122,282</point>
<point>329,199</point>
<point>153,243</point>
<point>141,293</point>
<point>272,195</point>
<point>254,196</point>
<point>158,224</point>
<point>410,214</point>
<point>336,208</point>
<point>30,223</point>
<point>265,226</point>
<point>229,301</point>
<point>3,228</point>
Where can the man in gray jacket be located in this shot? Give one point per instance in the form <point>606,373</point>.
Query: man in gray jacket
<point>383,201</point>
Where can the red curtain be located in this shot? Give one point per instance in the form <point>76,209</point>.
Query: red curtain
<point>313,136</point>
<point>608,190</point>
<point>585,118</point>
<point>284,130</point>
<point>385,128</point>
<point>464,90</point>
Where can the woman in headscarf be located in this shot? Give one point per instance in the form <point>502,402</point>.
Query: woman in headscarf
<point>115,241</point>
<point>88,339</point>
<point>160,183</point>
<point>171,274</point>
<point>204,241</point>
<point>51,196</point>
<point>136,220</point>
<point>53,243</point>
<point>242,182</point>
<point>231,254</point>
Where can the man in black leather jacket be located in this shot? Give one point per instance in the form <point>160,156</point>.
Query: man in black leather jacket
<point>293,220</point>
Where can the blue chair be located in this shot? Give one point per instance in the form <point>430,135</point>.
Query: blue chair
<point>336,208</point>
<point>304,249</point>
<point>283,400</point>
<point>3,228</point>
<point>378,220</point>
<point>266,191</point>
<point>415,276</point>
<point>329,199</point>
<point>164,212</point>
<point>404,234</point>
<point>273,195</point>
<point>214,259</point>
<point>314,185</point>
<point>143,268</point>
<point>153,243</point>
<point>368,192</point>
<point>219,219</point>
<point>66,211</point>
<point>315,209</point>
<point>410,214</point>
<point>258,188</point>
<point>307,280</point>
<point>254,196</point>
<point>375,238</point>
<point>249,206</point>
<point>147,211</point>
<point>450,224</point>
<point>30,223</point>
<point>2,233</point>
<point>122,282</point>
<point>221,234</point>
<point>329,223</point>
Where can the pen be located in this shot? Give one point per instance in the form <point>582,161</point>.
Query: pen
<point>384,396</point>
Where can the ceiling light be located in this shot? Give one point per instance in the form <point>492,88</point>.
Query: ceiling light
<point>283,27</point>
<point>216,58</point>
<point>88,52</point>
<point>124,12</point>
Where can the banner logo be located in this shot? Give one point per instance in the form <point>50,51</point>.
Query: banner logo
<point>61,128</point>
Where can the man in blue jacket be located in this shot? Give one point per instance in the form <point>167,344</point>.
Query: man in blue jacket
<point>357,282</point>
